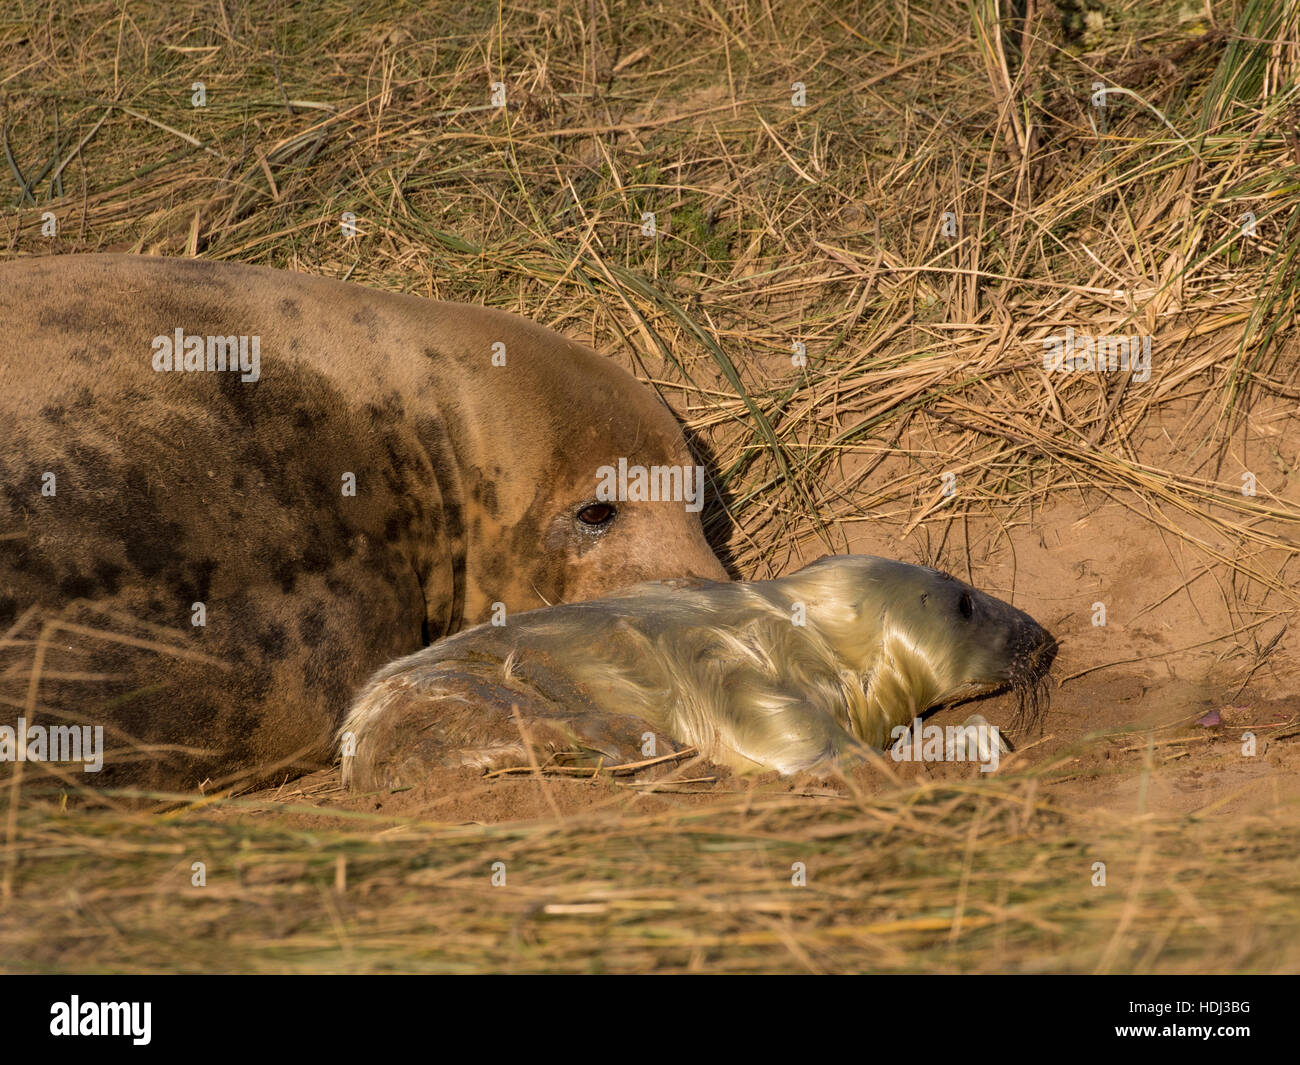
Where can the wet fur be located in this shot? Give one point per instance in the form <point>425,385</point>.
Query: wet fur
<point>721,667</point>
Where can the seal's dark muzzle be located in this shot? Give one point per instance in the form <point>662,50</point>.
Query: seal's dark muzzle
<point>1038,654</point>
<point>1032,650</point>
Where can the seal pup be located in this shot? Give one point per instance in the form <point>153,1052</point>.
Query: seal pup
<point>229,493</point>
<point>787,674</point>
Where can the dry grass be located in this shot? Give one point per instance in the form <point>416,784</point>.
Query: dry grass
<point>778,225</point>
<point>978,878</point>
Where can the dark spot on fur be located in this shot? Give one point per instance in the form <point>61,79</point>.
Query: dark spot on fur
<point>93,462</point>
<point>77,586</point>
<point>311,624</point>
<point>19,497</point>
<point>320,485</point>
<point>35,565</point>
<point>273,640</point>
<point>54,414</point>
<point>369,321</point>
<point>285,571</point>
<point>316,557</point>
<point>399,463</point>
<point>152,542</point>
<point>109,575</point>
<point>241,400</point>
<point>71,319</point>
<point>432,433</point>
<point>288,309</point>
<point>196,587</point>
<point>85,399</point>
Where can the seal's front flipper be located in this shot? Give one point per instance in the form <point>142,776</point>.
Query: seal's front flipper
<point>979,738</point>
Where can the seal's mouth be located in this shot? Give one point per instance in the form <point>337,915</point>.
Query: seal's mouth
<point>1031,653</point>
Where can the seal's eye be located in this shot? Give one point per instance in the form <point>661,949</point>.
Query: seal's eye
<point>596,515</point>
<point>965,605</point>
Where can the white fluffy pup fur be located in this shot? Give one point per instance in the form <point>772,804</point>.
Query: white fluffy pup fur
<point>787,674</point>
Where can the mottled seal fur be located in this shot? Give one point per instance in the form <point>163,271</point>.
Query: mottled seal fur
<point>786,674</point>
<point>136,502</point>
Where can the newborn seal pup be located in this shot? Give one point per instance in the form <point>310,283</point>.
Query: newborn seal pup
<point>229,493</point>
<point>786,674</point>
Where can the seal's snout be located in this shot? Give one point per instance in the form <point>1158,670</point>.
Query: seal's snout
<point>1043,655</point>
<point>1025,652</point>
<point>1033,649</point>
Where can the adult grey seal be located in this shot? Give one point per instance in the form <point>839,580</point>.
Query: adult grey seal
<point>307,479</point>
<point>787,674</point>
